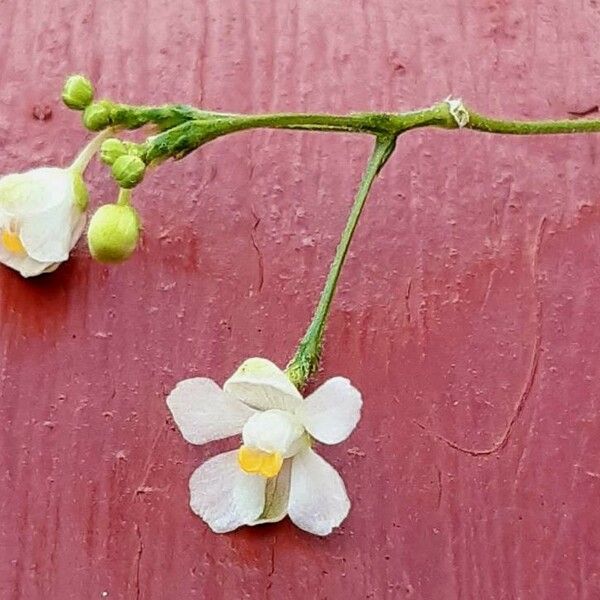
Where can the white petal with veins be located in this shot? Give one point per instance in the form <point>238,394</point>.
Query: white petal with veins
<point>203,412</point>
<point>263,385</point>
<point>331,412</point>
<point>277,494</point>
<point>224,496</point>
<point>27,267</point>
<point>318,499</point>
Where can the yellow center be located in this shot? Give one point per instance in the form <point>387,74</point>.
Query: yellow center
<point>267,464</point>
<point>12,242</point>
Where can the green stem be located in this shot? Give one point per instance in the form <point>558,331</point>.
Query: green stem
<point>491,125</point>
<point>306,359</point>
<point>124,198</point>
<point>191,134</point>
<point>187,137</point>
<point>184,129</point>
<point>169,116</point>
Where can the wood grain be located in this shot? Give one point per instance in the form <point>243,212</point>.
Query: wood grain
<point>467,313</point>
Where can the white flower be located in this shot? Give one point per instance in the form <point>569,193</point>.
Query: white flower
<point>275,471</point>
<point>42,215</point>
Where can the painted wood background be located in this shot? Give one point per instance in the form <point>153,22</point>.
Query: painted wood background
<point>467,315</point>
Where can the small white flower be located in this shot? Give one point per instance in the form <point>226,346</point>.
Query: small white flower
<point>275,471</point>
<point>42,215</point>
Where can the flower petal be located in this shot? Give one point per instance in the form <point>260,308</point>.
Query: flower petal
<point>47,235</point>
<point>26,266</point>
<point>35,190</point>
<point>318,501</point>
<point>78,226</point>
<point>263,385</point>
<point>273,431</point>
<point>203,412</point>
<point>331,412</point>
<point>42,201</point>
<point>224,496</point>
<point>277,494</point>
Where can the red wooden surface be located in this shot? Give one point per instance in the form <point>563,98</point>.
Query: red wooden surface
<point>467,314</point>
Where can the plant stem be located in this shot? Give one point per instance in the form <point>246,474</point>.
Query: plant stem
<point>491,125</point>
<point>124,198</point>
<point>190,134</point>
<point>87,152</point>
<point>184,129</point>
<point>306,359</point>
<point>172,115</point>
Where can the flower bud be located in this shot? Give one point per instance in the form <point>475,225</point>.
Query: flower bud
<point>113,233</point>
<point>96,116</point>
<point>111,150</point>
<point>128,171</point>
<point>78,92</point>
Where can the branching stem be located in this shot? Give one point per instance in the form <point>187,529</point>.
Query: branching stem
<point>183,129</point>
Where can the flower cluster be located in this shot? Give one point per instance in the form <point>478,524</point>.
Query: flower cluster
<point>43,210</point>
<point>275,472</point>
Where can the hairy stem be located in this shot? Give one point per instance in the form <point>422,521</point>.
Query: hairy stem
<point>306,359</point>
<point>183,129</point>
<point>188,135</point>
<point>490,125</point>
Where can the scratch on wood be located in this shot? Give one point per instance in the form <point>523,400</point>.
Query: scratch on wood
<point>272,566</point>
<point>440,488</point>
<point>261,265</point>
<point>593,474</point>
<point>531,373</point>
<point>407,300</point>
<point>142,488</point>
<point>138,560</point>
<point>489,288</point>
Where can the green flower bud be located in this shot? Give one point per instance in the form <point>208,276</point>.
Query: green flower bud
<point>80,191</point>
<point>111,150</point>
<point>78,92</point>
<point>97,115</point>
<point>113,233</point>
<point>128,171</point>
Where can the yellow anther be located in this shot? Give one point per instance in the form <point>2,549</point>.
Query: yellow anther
<point>12,242</point>
<point>267,464</point>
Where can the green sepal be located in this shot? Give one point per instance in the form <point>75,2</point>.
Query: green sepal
<point>80,191</point>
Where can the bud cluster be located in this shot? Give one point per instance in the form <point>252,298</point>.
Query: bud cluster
<point>114,229</point>
<point>128,168</point>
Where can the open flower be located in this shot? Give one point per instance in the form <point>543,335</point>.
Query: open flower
<point>42,215</point>
<point>275,471</point>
